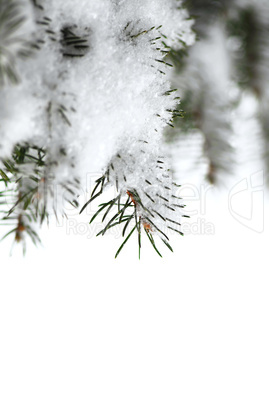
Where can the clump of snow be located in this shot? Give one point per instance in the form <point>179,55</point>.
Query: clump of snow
<point>82,101</point>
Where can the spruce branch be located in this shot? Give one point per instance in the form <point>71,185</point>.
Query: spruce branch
<point>27,187</point>
<point>52,144</point>
<point>13,44</point>
<point>141,208</point>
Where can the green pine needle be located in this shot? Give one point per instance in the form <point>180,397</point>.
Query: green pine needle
<point>125,241</point>
<point>123,213</point>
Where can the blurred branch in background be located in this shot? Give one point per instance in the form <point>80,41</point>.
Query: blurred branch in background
<point>225,71</point>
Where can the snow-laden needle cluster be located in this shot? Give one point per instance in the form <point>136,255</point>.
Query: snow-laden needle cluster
<point>81,83</point>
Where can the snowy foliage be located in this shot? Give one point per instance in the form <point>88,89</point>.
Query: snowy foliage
<point>95,81</point>
<point>156,207</point>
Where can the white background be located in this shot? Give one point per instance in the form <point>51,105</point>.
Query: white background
<point>78,325</point>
